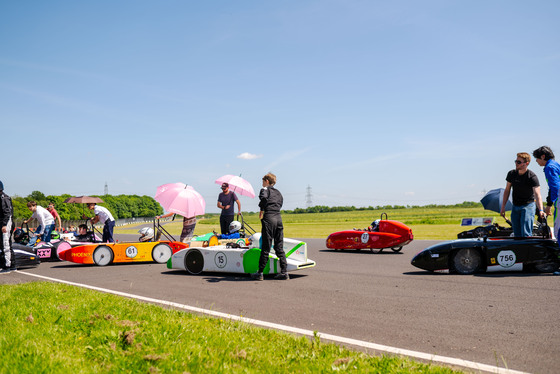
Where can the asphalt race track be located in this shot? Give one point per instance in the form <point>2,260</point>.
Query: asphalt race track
<point>506,319</point>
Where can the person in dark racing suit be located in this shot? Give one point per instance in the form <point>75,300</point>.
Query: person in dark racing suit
<point>7,218</point>
<point>271,201</point>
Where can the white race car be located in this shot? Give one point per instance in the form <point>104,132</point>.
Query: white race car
<point>236,258</point>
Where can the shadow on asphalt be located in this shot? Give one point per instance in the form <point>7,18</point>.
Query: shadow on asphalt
<point>361,251</point>
<point>480,275</point>
<point>221,277</point>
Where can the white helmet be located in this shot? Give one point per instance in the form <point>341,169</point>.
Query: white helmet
<point>147,233</point>
<point>234,226</point>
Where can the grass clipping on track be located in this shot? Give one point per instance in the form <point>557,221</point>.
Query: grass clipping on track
<point>54,328</point>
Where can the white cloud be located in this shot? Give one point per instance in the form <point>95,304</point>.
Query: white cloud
<point>410,193</point>
<point>248,156</point>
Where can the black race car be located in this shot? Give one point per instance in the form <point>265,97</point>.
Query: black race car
<point>497,231</point>
<point>468,256</point>
<point>25,257</point>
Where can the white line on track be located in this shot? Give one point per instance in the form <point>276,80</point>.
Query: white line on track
<point>334,338</point>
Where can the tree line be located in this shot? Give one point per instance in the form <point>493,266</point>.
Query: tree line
<point>120,206</point>
<point>327,209</point>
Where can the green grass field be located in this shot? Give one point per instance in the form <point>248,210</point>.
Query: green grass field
<point>54,328</point>
<point>442,223</point>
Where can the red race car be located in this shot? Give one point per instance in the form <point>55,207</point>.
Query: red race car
<point>382,233</point>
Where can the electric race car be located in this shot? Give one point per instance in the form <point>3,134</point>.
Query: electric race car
<point>494,230</point>
<point>48,251</point>
<point>146,249</point>
<point>382,233</point>
<point>487,254</point>
<point>238,257</point>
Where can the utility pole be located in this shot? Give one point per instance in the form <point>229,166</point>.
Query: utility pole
<point>308,197</point>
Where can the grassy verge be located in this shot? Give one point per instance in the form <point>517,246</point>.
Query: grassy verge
<point>443,223</point>
<point>54,328</point>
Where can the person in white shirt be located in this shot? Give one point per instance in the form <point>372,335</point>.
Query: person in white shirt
<point>103,215</point>
<point>45,220</point>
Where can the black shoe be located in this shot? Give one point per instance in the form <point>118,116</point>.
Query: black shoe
<point>257,276</point>
<point>282,276</point>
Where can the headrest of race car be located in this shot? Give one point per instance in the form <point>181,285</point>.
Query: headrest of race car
<point>255,240</point>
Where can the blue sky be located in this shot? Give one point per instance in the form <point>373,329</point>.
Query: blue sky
<point>367,102</point>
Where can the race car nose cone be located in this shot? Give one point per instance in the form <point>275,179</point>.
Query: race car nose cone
<point>423,260</point>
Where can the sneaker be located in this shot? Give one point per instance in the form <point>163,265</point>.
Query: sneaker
<point>556,273</point>
<point>282,276</point>
<point>257,276</point>
<point>6,271</point>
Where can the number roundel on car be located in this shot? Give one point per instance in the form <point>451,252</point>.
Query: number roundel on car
<point>220,259</point>
<point>131,251</point>
<point>506,259</point>
<point>365,237</point>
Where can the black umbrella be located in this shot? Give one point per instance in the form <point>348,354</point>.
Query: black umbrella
<point>493,200</point>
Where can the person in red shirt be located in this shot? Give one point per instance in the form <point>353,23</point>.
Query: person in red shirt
<point>54,213</point>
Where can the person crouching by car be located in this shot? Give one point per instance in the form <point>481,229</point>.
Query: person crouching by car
<point>103,215</point>
<point>45,220</point>
<point>526,189</point>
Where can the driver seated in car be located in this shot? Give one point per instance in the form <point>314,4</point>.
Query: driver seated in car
<point>233,232</point>
<point>146,234</point>
<point>83,234</point>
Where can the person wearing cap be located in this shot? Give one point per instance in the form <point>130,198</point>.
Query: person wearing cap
<point>271,202</point>
<point>104,216</point>
<point>526,190</point>
<point>226,198</point>
<point>46,223</point>
<point>6,218</point>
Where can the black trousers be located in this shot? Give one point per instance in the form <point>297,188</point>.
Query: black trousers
<point>224,223</point>
<point>272,230</point>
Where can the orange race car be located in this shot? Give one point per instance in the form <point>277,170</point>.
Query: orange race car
<point>141,251</point>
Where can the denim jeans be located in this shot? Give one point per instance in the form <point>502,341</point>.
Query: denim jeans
<point>522,218</point>
<point>45,236</point>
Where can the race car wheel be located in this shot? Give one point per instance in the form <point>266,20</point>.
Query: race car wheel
<point>194,261</point>
<point>546,268</point>
<point>467,261</point>
<point>396,249</point>
<point>479,232</point>
<point>103,255</point>
<point>61,247</point>
<point>161,253</point>
<point>375,250</point>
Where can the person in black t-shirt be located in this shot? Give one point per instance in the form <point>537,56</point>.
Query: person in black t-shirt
<point>225,202</point>
<point>526,189</point>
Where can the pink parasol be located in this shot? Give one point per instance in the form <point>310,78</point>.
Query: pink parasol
<point>237,184</point>
<point>181,199</point>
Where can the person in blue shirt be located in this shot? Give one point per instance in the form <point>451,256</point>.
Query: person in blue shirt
<point>545,158</point>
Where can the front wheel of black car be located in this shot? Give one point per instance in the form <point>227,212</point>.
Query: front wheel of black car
<point>467,261</point>
<point>550,267</point>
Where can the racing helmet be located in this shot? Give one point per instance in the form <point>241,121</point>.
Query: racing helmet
<point>146,234</point>
<point>20,236</point>
<point>55,235</point>
<point>234,226</point>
